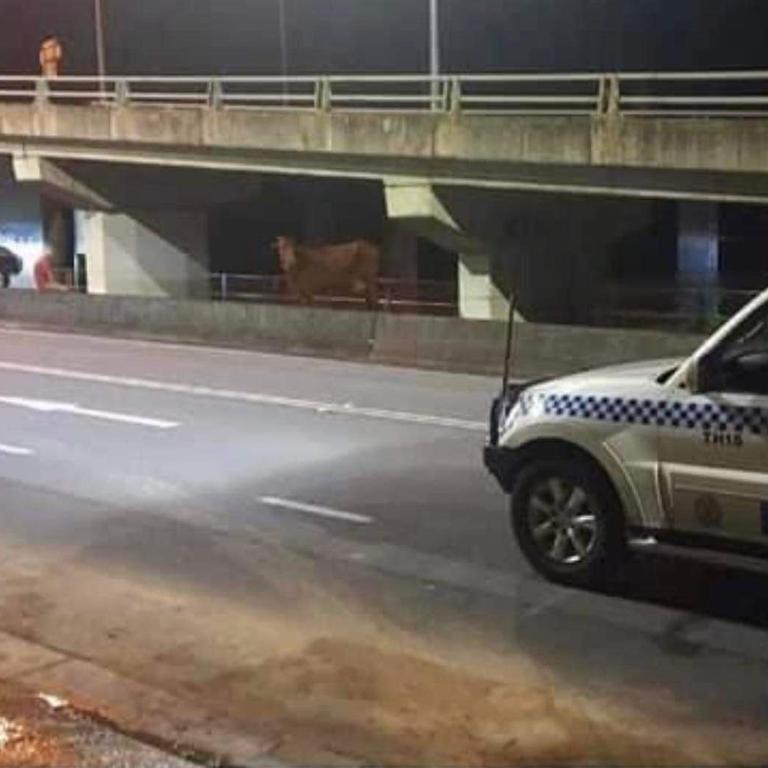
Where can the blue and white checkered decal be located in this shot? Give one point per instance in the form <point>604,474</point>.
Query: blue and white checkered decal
<point>705,416</point>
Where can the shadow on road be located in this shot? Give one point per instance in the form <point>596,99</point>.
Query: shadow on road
<point>717,591</point>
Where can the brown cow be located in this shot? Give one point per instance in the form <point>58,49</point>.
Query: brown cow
<point>349,266</point>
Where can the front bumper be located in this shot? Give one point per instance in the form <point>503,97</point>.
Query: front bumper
<point>501,463</point>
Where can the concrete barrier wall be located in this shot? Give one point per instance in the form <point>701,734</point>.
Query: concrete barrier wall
<point>424,342</point>
<point>259,326</point>
<point>540,350</point>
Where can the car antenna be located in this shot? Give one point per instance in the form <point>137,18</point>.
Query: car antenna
<point>510,345</point>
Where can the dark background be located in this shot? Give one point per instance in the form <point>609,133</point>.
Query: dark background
<point>241,36</point>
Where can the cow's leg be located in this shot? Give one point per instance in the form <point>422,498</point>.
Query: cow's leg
<point>306,297</point>
<point>372,294</point>
<point>300,292</point>
<point>293,293</point>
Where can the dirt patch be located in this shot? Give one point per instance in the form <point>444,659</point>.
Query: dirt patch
<point>392,708</point>
<point>28,738</point>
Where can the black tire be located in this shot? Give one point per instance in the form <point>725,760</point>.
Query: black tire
<point>604,544</point>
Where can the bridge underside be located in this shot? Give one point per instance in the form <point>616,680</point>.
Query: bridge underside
<point>648,183</point>
<point>160,230</point>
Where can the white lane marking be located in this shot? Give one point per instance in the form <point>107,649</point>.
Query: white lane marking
<point>15,450</point>
<point>255,398</point>
<point>313,509</point>
<point>46,406</point>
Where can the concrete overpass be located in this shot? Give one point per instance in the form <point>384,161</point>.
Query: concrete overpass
<point>687,136</point>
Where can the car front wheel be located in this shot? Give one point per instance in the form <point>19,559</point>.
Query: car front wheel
<point>568,522</point>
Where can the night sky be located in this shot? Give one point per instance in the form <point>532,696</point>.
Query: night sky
<point>241,36</point>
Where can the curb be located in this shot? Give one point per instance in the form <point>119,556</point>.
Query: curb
<point>136,710</point>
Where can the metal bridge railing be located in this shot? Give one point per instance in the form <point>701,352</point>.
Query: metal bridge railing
<point>664,306</point>
<point>425,297</point>
<point>430,297</point>
<point>642,94</point>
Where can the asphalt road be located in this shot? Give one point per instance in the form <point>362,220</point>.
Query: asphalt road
<point>187,516</point>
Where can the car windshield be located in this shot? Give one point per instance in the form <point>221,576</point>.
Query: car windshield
<point>752,336</point>
<point>755,337</point>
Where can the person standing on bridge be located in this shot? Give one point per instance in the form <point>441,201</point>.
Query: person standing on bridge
<point>51,56</point>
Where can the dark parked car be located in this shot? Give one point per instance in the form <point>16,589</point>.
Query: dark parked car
<point>10,266</point>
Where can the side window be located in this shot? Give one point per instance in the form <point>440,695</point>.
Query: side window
<point>743,363</point>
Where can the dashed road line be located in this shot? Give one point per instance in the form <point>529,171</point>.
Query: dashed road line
<point>255,398</point>
<point>46,406</point>
<point>15,450</point>
<point>318,511</point>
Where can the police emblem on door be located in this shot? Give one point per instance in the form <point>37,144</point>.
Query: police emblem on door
<point>708,512</point>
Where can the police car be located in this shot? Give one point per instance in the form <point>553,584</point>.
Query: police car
<point>673,452</point>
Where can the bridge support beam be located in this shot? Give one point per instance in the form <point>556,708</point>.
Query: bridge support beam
<point>58,224</point>
<point>479,296</point>
<point>56,183</point>
<point>419,208</point>
<point>147,253</point>
<point>60,194</point>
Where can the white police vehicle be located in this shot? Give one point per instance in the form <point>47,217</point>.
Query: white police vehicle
<point>673,452</point>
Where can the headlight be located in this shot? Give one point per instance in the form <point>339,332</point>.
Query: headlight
<point>503,409</point>
<point>507,408</point>
<point>510,417</point>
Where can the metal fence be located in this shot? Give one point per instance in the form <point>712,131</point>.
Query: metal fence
<point>417,297</point>
<point>641,94</point>
<point>430,297</point>
<point>666,306</point>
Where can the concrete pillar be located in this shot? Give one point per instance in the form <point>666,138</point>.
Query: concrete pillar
<point>479,297</point>
<point>698,259</point>
<point>147,253</point>
<point>57,229</point>
<point>418,207</point>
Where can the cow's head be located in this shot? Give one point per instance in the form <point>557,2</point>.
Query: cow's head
<point>286,251</point>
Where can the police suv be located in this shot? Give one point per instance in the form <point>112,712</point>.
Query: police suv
<point>668,451</point>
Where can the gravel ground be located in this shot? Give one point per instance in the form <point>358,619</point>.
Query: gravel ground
<point>45,732</point>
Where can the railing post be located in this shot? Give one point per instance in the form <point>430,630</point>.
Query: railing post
<point>602,96</point>
<point>323,95</point>
<point>122,93</point>
<point>614,95</point>
<point>42,92</point>
<point>609,95</point>
<point>224,286</point>
<point>215,94</point>
<point>454,98</point>
<point>435,97</point>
